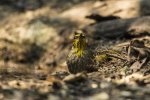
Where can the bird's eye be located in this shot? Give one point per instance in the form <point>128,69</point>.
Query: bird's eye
<point>75,37</point>
<point>82,36</point>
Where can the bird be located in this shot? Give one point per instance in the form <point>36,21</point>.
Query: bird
<point>81,57</point>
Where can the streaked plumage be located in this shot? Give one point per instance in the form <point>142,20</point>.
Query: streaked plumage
<point>81,58</point>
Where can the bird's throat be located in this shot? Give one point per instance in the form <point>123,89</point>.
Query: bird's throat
<point>79,47</point>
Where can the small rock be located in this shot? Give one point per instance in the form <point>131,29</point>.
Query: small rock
<point>101,96</point>
<point>104,85</point>
<point>126,93</point>
<point>94,85</point>
<point>1,96</point>
<point>53,97</point>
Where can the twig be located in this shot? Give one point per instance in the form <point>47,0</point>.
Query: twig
<point>116,57</point>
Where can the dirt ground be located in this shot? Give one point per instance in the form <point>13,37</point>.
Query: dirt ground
<point>36,36</point>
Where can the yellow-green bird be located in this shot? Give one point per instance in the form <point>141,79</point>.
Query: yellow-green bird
<point>81,57</point>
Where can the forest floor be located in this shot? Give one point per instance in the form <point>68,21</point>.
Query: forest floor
<point>35,38</point>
